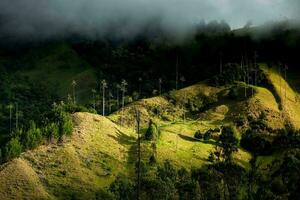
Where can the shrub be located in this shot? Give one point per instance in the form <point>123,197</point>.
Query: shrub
<point>103,194</point>
<point>233,93</point>
<point>198,135</point>
<point>152,159</point>
<point>122,188</point>
<point>207,135</point>
<point>66,125</point>
<point>32,137</point>
<point>63,121</point>
<point>152,132</point>
<point>51,131</point>
<point>72,108</point>
<point>12,149</point>
<point>229,141</point>
<point>167,171</point>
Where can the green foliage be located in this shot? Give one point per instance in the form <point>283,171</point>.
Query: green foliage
<point>167,171</point>
<point>229,142</point>
<point>233,93</point>
<point>62,119</point>
<point>72,108</point>
<point>12,149</point>
<point>122,188</point>
<point>66,125</point>
<point>32,137</point>
<point>198,135</point>
<point>51,131</point>
<point>105,195</point>
<point>152,132</point>
<point>207,136</point>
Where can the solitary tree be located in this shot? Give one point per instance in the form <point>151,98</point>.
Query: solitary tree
<point>94,98</point>
<point>74,87</point>
<point>285,69</point>
<point>229,142</point>
<point>17,116</point>
<point>118,87</point>
<point>159,86</point>
<point>103,85</point>
<point>244,76</point>
<point>110,96</point>
<point>10,107</point>
<point>182,79</point>
<point>255,68</point>
<point>140,86</point>
<point>138,119</point>
<point>123,88</point>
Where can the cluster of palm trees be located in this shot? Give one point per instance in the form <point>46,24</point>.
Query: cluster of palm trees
<point>122,87</point>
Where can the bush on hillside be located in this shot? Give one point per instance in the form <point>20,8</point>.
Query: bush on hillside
<point>207,136</point>
<point>198,135</point>
<point>32,137</point>
<point>63,121</point>
<point>12,149</point>
<point>106,195</point>
<point>51,131</point>
<point>233,93</point>
<point>229,142</point>
<point>152,132</point>
<point>66,125</point>
<point>122,188</point>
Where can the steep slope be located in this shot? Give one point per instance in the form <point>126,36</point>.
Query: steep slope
<point>287,97</point>
<point>86,162</point>
<point>19,181</point>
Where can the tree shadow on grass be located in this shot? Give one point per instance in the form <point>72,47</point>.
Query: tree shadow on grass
<point>188,138</point>
<point>192,139</point>
<point>122,138</point>
<point>126,140</point>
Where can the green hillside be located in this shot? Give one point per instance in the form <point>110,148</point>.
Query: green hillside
<point>101,148</point>
<point>57,65</point>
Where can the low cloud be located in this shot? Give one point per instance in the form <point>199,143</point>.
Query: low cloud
<point>95,18</point>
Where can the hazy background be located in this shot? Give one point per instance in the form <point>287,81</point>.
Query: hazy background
<point>93,18</point>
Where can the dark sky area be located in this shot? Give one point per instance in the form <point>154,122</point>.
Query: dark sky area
<point>95,17</point>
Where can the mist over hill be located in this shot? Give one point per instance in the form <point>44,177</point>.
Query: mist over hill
<point>34,19</point>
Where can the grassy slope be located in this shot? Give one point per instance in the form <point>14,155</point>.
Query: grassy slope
<point>58,65</point>
<point>97,151</point>
<point>19,181</point>
<point>287,96</point>
<point>177,141</point>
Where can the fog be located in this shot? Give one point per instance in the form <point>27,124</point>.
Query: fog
<point>96,18</point>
